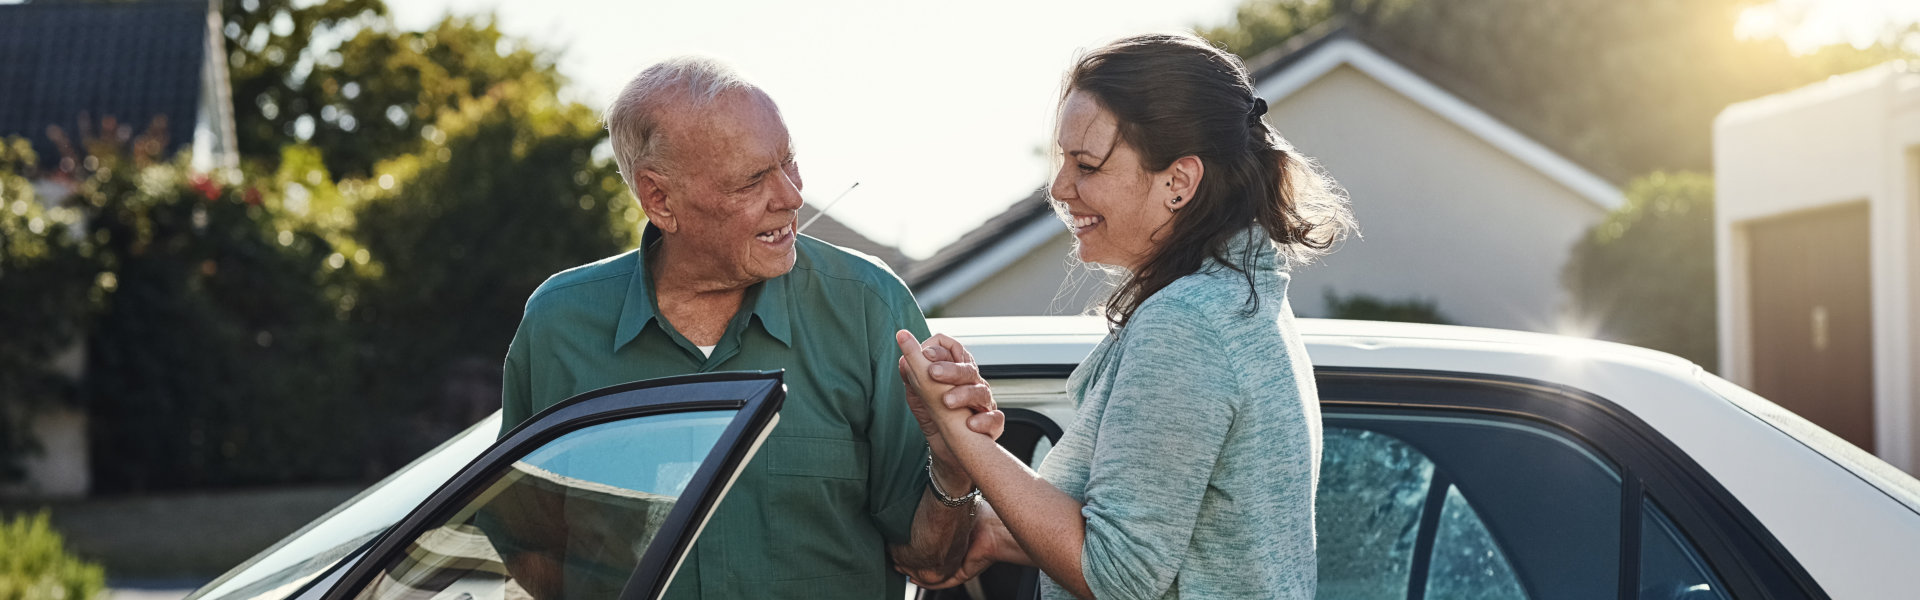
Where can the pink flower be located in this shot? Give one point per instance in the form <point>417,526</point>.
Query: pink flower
<point>206,186</point>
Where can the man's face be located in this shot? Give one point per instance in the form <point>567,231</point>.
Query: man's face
<point>739,189</point>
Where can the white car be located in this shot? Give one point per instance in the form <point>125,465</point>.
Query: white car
<point>1458,463</point>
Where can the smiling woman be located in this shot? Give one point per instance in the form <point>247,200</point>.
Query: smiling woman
<point>1191,464</point>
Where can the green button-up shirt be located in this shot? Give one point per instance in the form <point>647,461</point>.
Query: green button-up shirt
<point>840,477</point>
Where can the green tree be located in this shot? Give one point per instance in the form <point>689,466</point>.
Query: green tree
<point>460,233</point>
<point>1364,307</point>
<point>1624,87</point>
<point>273,47</point>
<point>1645,275</point>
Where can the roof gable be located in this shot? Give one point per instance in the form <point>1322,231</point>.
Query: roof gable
<point>1281,78</point>
<point>1029,223</point>
<point>828,230</point>
<point>130,61</point>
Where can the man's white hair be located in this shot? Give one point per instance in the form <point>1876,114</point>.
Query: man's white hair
<point>634,118</point>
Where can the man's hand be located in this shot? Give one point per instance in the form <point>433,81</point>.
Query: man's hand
<point>990,539</point>
<point>943,368</point>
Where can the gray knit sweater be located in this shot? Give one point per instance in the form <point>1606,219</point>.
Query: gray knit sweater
<point>1196,446</point>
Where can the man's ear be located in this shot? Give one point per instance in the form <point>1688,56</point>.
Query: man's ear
<point>650,188</point>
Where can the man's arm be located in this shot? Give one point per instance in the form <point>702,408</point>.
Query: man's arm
<point>921,533</point>
<point>516,382</point>
<point>934,520</point>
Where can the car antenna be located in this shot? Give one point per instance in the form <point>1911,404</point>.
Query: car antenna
<point>823,210</point>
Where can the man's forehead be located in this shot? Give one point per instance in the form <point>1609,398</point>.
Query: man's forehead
<point>737,129</point>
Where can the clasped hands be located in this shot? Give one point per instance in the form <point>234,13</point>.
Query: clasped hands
<point>945,391</point>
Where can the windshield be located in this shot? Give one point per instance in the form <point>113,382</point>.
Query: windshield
<point>286,566</point>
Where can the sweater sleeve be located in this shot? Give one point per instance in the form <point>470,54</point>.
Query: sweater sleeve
<point>1159,436</point>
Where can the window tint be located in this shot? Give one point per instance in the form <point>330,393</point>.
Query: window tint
<point>1366,512</point>
<point>1670,569</point>
<point>1520,511</point>
<point>569,520</point>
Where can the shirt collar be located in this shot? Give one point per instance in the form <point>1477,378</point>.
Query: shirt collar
<point>768,298</point>
<point>1249,249</point>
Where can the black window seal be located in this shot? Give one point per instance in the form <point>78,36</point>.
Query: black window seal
<point>1745,556</point>
<point>1743,553</point>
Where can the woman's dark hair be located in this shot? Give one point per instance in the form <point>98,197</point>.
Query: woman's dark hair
<point>1176,95</point>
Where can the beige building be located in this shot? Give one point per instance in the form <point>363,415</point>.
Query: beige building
<point>1454,206</point>
<point>1817,229</point>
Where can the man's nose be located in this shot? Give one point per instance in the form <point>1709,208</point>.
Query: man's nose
<point>787,196</point>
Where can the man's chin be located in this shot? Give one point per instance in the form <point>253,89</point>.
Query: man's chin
<point>780,266</point>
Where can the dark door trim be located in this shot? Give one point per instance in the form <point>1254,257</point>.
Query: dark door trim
<point>1743,553</point>
<point>756,395</point>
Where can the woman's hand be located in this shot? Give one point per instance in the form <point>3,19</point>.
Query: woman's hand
<point>942,369</point>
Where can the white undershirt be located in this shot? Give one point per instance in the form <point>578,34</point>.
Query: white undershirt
<point>707,350</point>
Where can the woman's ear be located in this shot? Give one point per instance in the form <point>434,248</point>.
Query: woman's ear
<point>1183,179</point>
<point>650,189</point>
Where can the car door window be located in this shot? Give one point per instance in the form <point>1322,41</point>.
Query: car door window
<point>1670,567</point>
<point>1463,506</point>
<point>1366,512</point>
<point>1466,562</point>
<point>570,519</point>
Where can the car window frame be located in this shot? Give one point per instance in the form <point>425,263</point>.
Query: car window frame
<point>756,395</point>
<point>1743,554</point>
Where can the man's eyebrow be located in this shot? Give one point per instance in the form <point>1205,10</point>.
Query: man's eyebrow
<point>757,175</point>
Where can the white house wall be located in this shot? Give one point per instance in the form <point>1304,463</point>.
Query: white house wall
<point>1045,281</point>
<point>1445,215</point>
<point>1852,138</point>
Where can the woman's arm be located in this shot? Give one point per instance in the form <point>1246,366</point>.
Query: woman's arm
<point>1044,521</point>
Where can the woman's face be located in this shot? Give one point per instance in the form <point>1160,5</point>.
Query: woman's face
<point>1111,204</point>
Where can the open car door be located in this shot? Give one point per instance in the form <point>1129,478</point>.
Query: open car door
<point>597,497</point>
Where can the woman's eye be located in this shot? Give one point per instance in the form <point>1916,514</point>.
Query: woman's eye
<point>1087,168</point>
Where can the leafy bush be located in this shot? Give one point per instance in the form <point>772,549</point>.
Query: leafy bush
<point>1645,275</point>
<point>44,284</point>
<point>1363,307</point>
<point>213,353</point>
<point>34,564</point>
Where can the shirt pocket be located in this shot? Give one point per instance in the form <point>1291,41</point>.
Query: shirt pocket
<point>816,457</point>
<point>817,511</point>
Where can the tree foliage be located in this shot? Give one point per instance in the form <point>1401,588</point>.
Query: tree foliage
<point>342,302</point>
<point>271,54</point>
<point>1364,307</point>
<point>1645,275</point>
<point>506,194</point>
<point>44,283</point>
<point>1624,87</point>
<point>35,564</point>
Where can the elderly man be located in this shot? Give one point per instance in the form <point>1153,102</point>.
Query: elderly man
<point>723,282</point>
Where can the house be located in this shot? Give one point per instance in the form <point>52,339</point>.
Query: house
<point>72,65</point>
<point>1817,229</point>
<point>1455,207</point>
<point>834,232</point>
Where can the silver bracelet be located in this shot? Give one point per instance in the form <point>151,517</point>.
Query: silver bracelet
<point>938,494</point>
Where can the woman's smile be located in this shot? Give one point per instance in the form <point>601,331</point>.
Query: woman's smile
<point>1081,224</point>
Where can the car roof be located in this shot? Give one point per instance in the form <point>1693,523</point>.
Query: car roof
<point>1841,511</point>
